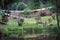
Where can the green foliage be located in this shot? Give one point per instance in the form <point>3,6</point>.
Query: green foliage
<point>53,30</point>
<point>34,4</point>
<point>5,3</point>
<point>2,13</point>
<point>53,10</point>
<point>18,6</point>
<point>27,12</point>
<point>21,6</point>
<point>52,2</point>
<point>13,27</point>
<point>30,4</point>
<point>13,7</point>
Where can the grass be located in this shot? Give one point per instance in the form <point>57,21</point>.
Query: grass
<point>47,17</point>
<point>13,25</point>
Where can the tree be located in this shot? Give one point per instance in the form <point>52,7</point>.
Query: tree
<point>13,6</point>
<point>18,6</point>
<point>21,6</point>
<point>34,4</point>
<point>4,3</point>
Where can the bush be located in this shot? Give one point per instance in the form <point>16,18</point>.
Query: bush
<point>27,12</point>
<point>21,6</point>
